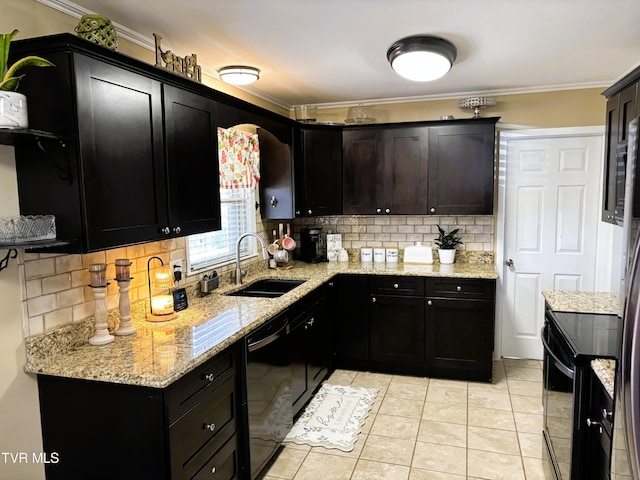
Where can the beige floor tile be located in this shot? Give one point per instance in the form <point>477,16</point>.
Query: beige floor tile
<point>342,377</point>
<point>495,386</point>
<point>368,423</point>
<point>494,466</point>
<point>327,467</point>
<point>410,379</point>
<point>388,450</point>
<point>419,474</point>
<point>532,445</point>
<point>445,412</point>
<point>491,400</point>
<point>287,463</point>
<point>369,470</point>
<point>297,446</point>
<point>518,362</point>
<point>370,382</point>
<point>440,458</point>
<point>527,374</point>
<point>408,391</point>
<point>492,440</point>
<point>446,394</point>
<point>537,469</point>
<point>401,407</point>
<point>374,376</point>
<point>528,422</point>
<point>394,426</point>
<point>523,404</point>
<point>443,382</point>
<point>443,433</point>
<point>491,418</point>
<point>521,387</point>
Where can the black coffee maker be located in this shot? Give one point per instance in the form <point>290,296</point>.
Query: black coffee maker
<point>311,248</point>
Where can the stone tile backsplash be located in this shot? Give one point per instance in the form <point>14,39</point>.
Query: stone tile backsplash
<point>55,289</point>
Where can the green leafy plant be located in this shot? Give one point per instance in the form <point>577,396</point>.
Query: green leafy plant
<point>9,80</point>
<point>448,241</point>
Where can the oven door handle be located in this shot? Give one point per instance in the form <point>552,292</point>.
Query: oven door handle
<point>263,342</point>
<point>569,372</point>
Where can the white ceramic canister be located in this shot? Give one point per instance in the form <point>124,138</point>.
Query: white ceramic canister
<point>378,255</point>
<point>392,255</point>
<point>366,254</point>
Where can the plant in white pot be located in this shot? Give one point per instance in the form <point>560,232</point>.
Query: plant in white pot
<point>13,105</point>
<point>447,243</point>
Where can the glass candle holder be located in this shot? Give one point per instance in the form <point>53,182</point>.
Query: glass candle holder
<point>123,269</point>
<point>98,275</point>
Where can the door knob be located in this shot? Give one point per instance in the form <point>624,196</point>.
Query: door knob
<point>509,263</point>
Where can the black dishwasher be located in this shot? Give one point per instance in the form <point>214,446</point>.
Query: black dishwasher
<point>269,398</point>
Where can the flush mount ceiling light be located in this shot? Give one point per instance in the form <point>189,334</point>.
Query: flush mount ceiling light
<point>422,58</point>
<point>239,75</point>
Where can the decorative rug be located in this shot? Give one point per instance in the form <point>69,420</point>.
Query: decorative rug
<point>333,418</point>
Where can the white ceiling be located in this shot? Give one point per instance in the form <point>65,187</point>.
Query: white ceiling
<point>334,51</point>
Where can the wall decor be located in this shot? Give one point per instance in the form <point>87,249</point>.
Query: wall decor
<point>187,67</point>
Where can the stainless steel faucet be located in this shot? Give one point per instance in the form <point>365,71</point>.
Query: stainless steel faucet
<point>239,273</point>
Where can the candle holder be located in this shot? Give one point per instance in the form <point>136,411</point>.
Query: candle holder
<point>124,305</point>
<point>102,336</point>
<point>160,297</point>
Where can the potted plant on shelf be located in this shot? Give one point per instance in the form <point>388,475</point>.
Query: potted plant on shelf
<point>13,105</point>
<point>446,243</point>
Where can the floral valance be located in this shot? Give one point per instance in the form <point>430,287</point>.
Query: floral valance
<point>239,157</point>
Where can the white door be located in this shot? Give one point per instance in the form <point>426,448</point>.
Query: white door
<point>551,215</point>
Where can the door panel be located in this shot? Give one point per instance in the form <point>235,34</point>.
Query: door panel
<point>551,222</point>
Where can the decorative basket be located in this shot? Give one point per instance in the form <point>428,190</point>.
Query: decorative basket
<point>27,228</point>
<point>98,29</point>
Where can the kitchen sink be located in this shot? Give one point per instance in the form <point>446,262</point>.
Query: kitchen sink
<point>267,288</point>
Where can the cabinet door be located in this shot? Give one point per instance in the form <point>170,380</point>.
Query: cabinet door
<point>349,300</point>
<point>405,170</point>
<point>298,337</point>
<point>397,330</point>
<point>318,344</point>
<point>610,160</point>
<point>120,138</point>
<point>192,162</point>
<point>459,338</point>
<point>322,172</point>
<point>276,177</point>
<point>461,169</point>
<point>363,163</point>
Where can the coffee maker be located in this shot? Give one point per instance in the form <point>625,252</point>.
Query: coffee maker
<point>312,249</point>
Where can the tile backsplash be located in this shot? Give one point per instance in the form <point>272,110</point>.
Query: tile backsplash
<point>55,289</point>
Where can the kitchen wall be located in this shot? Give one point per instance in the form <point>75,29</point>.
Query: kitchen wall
<point>40,292</point>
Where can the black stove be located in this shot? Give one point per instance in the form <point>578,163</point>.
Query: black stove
<point>589,335</point>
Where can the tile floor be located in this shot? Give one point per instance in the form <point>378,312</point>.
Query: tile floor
<point>433,429</point>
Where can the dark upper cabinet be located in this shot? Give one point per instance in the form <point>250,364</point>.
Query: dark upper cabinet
<point>319,171</point>
<point>461,168</point>
<point>621,109</point>
<point>385,170</point>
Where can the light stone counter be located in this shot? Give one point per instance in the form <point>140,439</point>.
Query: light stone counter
<point>589,302</point>
<point>207,327</point>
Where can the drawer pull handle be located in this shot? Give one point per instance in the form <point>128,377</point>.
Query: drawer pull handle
<point>213,470</point>
<point>591,423</point>
<point>209,426</point>
<point>459,288</point>
<point>209,377</point>
<point>374,300</point>
<point>395,285</point>
<point>429,302</point>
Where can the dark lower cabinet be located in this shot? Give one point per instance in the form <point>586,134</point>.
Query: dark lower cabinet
<point>310,347</point>
<point>349,299</point>
<point>598,433</point>
<point>188,430</point>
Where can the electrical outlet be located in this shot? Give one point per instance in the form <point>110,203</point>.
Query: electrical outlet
<point>176,269</point>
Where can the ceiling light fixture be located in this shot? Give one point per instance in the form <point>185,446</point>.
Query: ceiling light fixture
<point>239,75</point>
<point>422,58</point>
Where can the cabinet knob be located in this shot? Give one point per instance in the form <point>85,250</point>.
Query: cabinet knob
<point>607,414</point>
<point>209,377</point>
<point>459,288</point>
<point>387,210</point>
<point>311,321</point>
<point>309,211</point>
<point>373,299</point>
<point>209,426</point>
<point>395,285</point>
<point>177,230</point>
<point>378,210</point>
<point>213,470</point>
<point>298,213</point>
<point>166,230</point>
<point>429,302</point>
<point>433,210</point>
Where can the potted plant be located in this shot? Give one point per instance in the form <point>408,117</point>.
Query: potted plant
<point>446,243</point>
<point>13,105</point>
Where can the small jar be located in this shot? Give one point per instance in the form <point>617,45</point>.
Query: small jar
<point>123,269</point>
<point>98,275</point>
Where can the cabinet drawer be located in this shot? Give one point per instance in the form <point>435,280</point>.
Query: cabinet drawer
<point>185,393</point>
<point>460,288</point>
<point>397,285</point>
<point>601,406</point>
<point>223,465</point>
<point>204,429</point>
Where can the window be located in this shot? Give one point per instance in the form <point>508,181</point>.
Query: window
<point>211,249</point>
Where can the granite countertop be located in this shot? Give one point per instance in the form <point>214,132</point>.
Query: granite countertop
<point>605,370</point>
<point>207,327</point>
<point>582,302</point>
